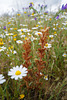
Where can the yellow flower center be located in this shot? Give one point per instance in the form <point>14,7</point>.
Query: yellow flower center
<point>45,76</point>
<point>21,29</point>
<point>64,55</point>
<point>26,38</point>
<point>22,33</point>
<point>30,35</point>
<point>17,72</point>
<point>38,33</point>
<point>46,45</point>
<point>9,34</point>
<point>18,14</point>
<point>51,37</point>
<point>9,23</point>
<point>25,12</point>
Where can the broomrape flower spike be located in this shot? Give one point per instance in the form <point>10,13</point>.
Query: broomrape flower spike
<point>2,80</point>
<point>18,72</point>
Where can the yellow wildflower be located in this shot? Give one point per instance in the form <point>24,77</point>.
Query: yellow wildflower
<point>15,28</point>
<point>14,39</point>
<point>25,12</point>
<point>9,23</point>
<point>22,96</point>
<point>50,19</point>
<point>9,48</point>
<point>1,40</point>
<point>18,14</point>
<point>1,43</point>
<point>37,25</point>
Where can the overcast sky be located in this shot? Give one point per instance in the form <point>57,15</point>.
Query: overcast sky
<point>7,5</point>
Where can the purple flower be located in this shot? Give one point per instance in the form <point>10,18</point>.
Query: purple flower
<point>57,17</point>
<point>27,8</point>
<point>46,12</point>
<point>39,5</point>
<point>34,11</point>
<point>45,6</point>
<point>23,8</point>
<point>35,18</point>
<point>4,27</point>
<point>66,6</point>
<point>63,7</point>
<point>30,5</point>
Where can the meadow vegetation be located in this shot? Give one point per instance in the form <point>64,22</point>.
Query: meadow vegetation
<point>33,55</point>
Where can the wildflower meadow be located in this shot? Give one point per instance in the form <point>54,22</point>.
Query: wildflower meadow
<point>33,54</point>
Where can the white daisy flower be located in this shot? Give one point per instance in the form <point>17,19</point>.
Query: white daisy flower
<point>21,24</point>
<point>2,80</point>
<point>18,72</point>
<point>34,28</point>
<point>25,25</point>
<point>51,36</point>
<point>11,28</point>
<point>9,34</point>
<point>46,77</point>
<point>38,33</point>
<point>47,45</point>
<point>64,23</point>
<point>64,55</point>
<point>1,49</point>
<point>14,52</point>
<point>54,29</point>
<point>24,30</point>
<point>19,41</point>
<point>22,36</point>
